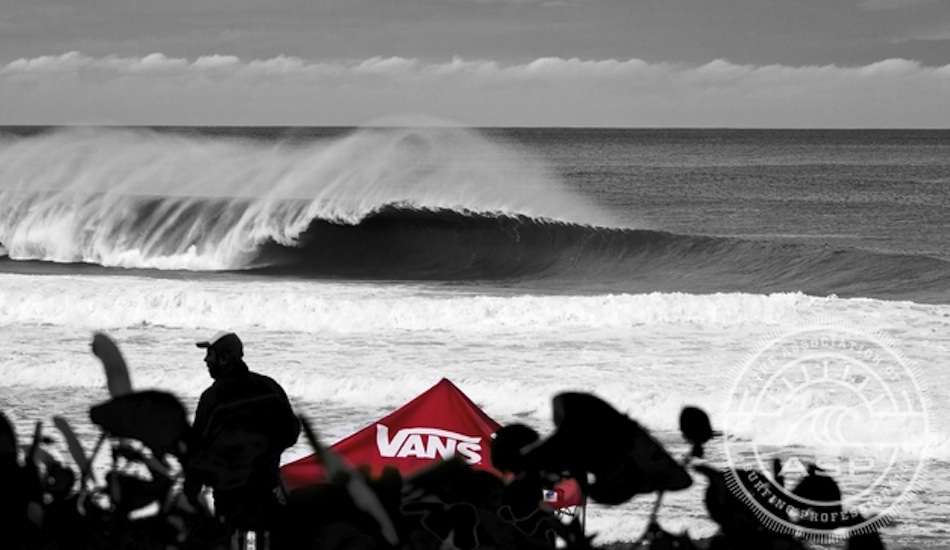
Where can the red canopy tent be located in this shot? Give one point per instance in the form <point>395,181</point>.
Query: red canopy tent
<point>440,422</point>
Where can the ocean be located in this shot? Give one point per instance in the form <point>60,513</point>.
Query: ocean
<point>651,267</point>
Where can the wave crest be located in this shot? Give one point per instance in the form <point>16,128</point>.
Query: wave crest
<point>148,199</point>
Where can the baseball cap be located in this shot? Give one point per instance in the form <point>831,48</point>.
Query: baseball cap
<point>224,341</point>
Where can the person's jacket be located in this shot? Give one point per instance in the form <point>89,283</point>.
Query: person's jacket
<point>243,423</point>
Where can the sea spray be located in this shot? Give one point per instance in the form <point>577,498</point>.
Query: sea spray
<point>142,198</point>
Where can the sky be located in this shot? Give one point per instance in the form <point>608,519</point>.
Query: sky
<point>591,63</point>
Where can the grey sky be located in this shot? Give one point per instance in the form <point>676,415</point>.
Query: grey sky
<point>772,55</point>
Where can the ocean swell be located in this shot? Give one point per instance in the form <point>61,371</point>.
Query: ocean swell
<point>423,204</point>
<point>402,242</point>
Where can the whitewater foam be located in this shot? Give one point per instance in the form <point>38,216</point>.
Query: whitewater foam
<point>99,302</point>
<point>624,346</point>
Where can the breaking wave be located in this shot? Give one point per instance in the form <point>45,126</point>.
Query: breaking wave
<point>423,204</point>
<point>148,199</point>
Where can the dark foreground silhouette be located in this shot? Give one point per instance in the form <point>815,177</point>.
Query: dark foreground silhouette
<point>133,498</point>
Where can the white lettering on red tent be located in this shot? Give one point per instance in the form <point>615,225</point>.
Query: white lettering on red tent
<point>428,443</point>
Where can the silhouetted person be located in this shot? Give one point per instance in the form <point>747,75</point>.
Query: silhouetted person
<point>243,423</point>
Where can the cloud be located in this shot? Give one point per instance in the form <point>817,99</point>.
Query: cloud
<point>75,62</point>
<point>278,65</point>
<point>220,89</point>
<point>546,68</point>
<point>48,63</point>
<point>891,67</point>
<point>933,34</point>
<point>391,66</point>
<point>216,62</point>
<point>156,61</point>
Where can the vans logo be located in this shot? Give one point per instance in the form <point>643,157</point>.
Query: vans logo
<point>428,443</point>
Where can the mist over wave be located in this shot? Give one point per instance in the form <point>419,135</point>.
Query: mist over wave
<point>147,199</point>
